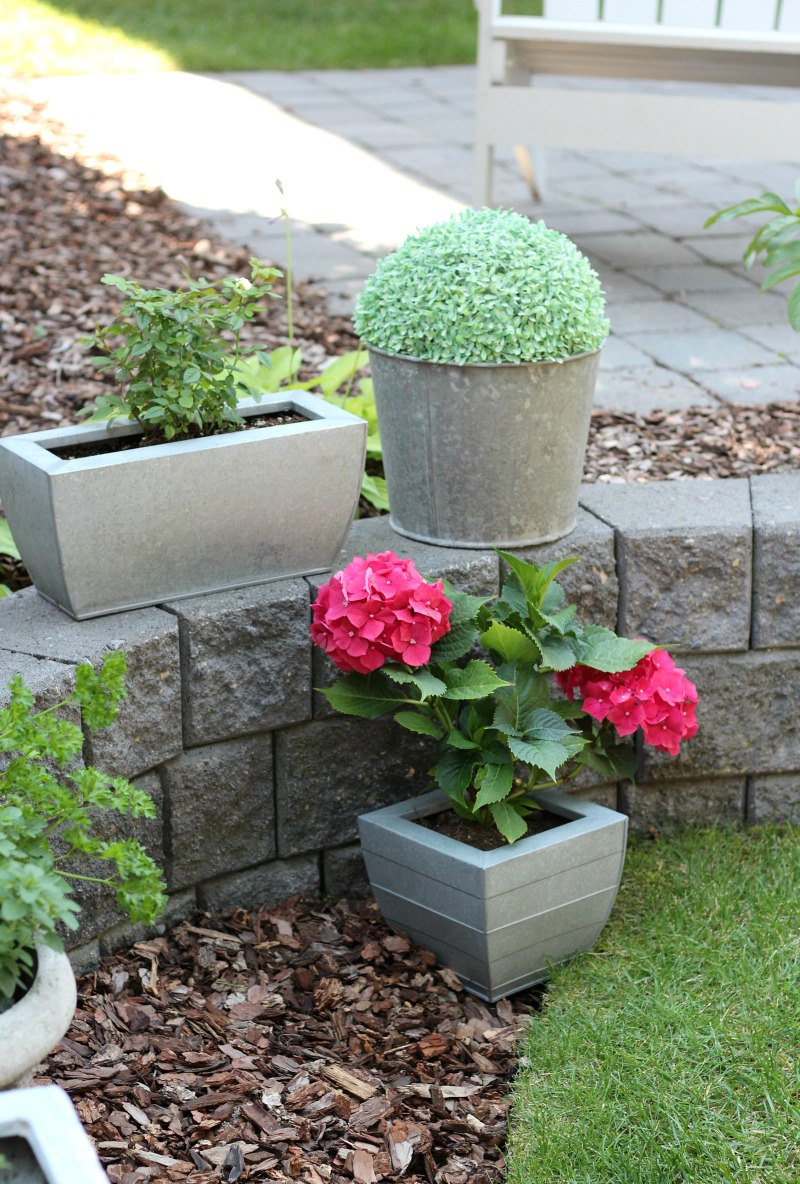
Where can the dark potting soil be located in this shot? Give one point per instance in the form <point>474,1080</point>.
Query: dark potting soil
<point>482,837</point>
<point>129,443</point>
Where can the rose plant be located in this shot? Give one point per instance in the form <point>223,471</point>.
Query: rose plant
<point>410,648</point>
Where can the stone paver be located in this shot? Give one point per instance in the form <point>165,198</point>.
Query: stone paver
<point>368,156</point>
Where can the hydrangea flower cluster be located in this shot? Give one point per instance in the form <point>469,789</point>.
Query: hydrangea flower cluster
<point>379,608</point>
<point>654,695</point>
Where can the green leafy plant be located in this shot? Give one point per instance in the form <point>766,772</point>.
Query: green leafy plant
<point>777,242</point>
<point>52,810</point>
<point>484,286</point>
<point>409,650</point>
<point>335,384</point>
<point>170,355</point>
<point>7,548</point>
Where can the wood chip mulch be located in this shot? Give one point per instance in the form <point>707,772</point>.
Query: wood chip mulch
<point>304,1041</point>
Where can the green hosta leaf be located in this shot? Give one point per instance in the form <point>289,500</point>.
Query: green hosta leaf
<point>508,820</point>
<point>5,590</point>
<point>510,644</point>
<point>7,544</point>
<point>375,491</point>
<point>794,308</point>
<point>426,683</point>
<point>753,205</point>
<point>493,782</point>
<point>366,695</point>
<point>453,772</point>
<point>455,644</point>
<point>601,649</point>
<point>342,370</point>
<point>548,755</point>
<point>475,681</point>
<point>421,724</point>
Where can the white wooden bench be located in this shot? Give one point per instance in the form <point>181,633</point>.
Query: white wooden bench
<point>750,42</point>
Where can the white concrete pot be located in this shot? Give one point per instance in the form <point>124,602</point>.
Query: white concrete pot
<point>500,919</point>
<point>123,530</point>
<point>31,1029</point>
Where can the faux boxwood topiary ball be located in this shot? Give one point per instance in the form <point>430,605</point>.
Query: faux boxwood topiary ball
<point>484,286</point>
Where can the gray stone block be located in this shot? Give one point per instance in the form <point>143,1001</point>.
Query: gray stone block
<point>50,682</point>
<point>86,958</point>
<point>99,909</point>
<point>748,717</point>
<point>475,572</point>
<point>344,873</point>
<point>470,571</point>
<point>265,884</point>
<point>700,802</point>
<point>591,583</point>
<point>148,730</point>
<point>774,799</point>
<point>220,809</point>
<point>330,771</point>
<point>181,906</point>
<point>246,659</point>
<point>683,560</point>
<point>603,794</point>
<point>776,564</point>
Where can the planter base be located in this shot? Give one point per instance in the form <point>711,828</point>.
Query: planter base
<point>499,919</point>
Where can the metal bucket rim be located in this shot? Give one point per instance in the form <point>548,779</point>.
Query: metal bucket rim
<point>480,365</point>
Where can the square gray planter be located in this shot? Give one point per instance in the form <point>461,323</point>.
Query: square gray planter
<point>124,530</point>
<point>499,919</point>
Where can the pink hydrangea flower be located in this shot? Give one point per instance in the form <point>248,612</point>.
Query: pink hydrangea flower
<point>655,695</point>
<point>379,609</point>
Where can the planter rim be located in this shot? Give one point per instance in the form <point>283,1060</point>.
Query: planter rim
<point>31,1028</point>
<point>482,365</point>
<point>36,447</point>
<point>401,817</point>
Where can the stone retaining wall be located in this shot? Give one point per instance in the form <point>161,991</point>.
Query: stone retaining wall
<point>258,783</point>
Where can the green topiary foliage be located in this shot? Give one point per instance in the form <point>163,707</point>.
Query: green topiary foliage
<point>484,286</point>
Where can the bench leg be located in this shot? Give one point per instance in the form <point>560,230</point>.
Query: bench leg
<point>533,166</point>
<point>482,177</point>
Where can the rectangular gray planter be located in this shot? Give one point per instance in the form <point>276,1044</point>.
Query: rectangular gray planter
<point>499,919</point>
<point>128,529</point>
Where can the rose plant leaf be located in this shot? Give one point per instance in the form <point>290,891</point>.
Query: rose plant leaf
<point>548,755</point>
<point>366,695</point>
<point>413,721</point>
<point>509,822</point>
<point>494,783</point>
<point>509,643</point>
<point>476,680</point>
<point>558,653</point>
<point>426,682</point>
<point>601,649</point>
<point>455,644</point>
<point>453,772</point>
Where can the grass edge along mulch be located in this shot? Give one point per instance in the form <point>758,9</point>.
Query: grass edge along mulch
<point>671,1053</point>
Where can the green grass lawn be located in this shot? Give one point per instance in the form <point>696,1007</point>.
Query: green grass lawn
<point>671,1053</point>
<point>84,36</point>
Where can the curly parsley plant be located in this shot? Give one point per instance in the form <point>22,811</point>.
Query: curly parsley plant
<point>51,812</point>
<point>484,286</point>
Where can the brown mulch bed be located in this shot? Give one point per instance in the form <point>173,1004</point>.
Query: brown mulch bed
<point>300,1042</point>
<point>305,1041</point>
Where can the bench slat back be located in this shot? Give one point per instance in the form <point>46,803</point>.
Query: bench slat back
<point>756,16</point>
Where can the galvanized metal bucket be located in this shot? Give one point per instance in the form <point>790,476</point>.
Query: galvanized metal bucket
<point>483,455</point>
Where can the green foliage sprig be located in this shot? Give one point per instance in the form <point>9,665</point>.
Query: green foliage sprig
<point>493,719</point>
<point>170,357</point>
<point>7,547</point>
<point>335,385</point>
<point>50,810</point>
<point>484,286</point>
<point>778,241</point>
